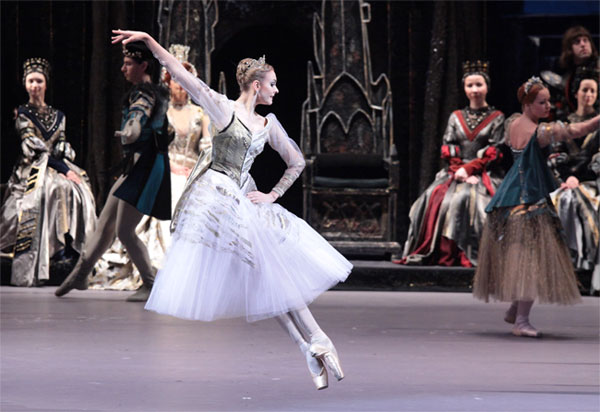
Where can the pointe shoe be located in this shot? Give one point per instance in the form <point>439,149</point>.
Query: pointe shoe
<point>526,331</point>
<point>77,279</point>
<point>140,295</point>
<point>325,351</point>
<point>317,371</point>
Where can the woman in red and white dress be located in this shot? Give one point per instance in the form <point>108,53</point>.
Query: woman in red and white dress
<point>447,219</point>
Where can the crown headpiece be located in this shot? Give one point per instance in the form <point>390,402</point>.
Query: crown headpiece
<point>532,81</point>
<point>480,67</point>
<point>475,67</point>
<point>255,63</point>
<point>38,65</point>
<point>181,53</point>
<point>137,54</point>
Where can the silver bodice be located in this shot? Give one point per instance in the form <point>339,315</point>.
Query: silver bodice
<point>234,150</point>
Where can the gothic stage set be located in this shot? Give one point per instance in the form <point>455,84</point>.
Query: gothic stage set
<point>366,90</point>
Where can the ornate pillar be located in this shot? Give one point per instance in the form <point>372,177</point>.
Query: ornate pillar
<point>351,180</point>
<point>191,23</point>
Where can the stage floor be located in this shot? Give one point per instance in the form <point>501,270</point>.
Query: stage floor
<point>401,351</point>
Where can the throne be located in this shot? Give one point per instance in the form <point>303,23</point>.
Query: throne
<point>350,182</point>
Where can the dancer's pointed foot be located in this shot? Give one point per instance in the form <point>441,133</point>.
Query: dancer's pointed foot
<point>77,279</point>
<point>317,370</point>
<point>526,331</point>
<point>323,349</point>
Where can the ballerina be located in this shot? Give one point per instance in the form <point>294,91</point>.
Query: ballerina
<point>234,252</point>
<point>522,254</point>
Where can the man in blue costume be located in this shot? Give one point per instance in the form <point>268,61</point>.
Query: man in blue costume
<point>144,187</point>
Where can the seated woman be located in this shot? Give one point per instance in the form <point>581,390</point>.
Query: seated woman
<point>191,143</point>
<point>446,220</point>
<point>48,206</point>
<point>577,200</point>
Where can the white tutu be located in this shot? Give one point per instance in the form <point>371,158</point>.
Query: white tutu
<point>231,258</point>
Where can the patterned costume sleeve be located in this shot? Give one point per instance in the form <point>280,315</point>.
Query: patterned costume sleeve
<point>31,144</point>
<point>62,149</point>
<point>289,152</point>
<point>498,131</point>
<point>218,106</point>
<point>140,106</point>
<point>549,133</point>
<point>450,145</point>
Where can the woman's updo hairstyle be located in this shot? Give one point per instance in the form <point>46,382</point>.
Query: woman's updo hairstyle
<point>249,70</point>
<point>584,73</point>
<point>529,90</point>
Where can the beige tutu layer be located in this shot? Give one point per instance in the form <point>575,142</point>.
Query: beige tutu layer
<point>522,256</point>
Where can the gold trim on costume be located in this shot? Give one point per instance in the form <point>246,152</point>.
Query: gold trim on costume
<point>32,180</point>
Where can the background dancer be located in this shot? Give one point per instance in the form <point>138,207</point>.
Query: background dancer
<point>144,187</point>
<point>190,127</point>
<point>522,256</point>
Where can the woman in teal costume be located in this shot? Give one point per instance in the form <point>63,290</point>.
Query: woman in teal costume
<point>522,254</point>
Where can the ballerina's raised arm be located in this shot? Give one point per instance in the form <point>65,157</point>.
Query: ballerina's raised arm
<point>217,106</point>
<point>559,131</point>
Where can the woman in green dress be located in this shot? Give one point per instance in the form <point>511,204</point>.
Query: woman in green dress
<point>522,254</point>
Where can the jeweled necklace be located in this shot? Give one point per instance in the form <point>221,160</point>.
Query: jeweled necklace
<point>45,114</point>
<point>476,116</point>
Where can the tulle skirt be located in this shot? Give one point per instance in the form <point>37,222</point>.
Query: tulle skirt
<point>522,256</point>
<point>232,258</point>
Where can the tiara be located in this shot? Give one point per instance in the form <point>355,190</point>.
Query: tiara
<point>475,67</point>
<point>36,64</point>
<point>181,53</point>
<point>531,81</point>
<point>255,63</point>
<point>132,54</point>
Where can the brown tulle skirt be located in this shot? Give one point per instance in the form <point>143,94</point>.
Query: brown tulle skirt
<point>522,256</point>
